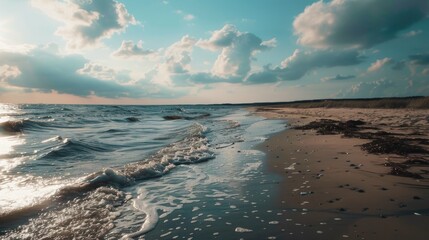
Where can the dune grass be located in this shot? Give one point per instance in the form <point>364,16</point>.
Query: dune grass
<point>406,102</point>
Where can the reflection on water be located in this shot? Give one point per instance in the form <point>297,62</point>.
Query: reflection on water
<point>24,191</point>
<point>7,142</point>
<point>6,110</point>
<point>15,191</point>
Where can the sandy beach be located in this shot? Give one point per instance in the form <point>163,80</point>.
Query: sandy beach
<point>356,174</point>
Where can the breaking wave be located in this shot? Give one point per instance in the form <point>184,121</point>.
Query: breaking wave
<point>90,205</point>
<point>19,126</point>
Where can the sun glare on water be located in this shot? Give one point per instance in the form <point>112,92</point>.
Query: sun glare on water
<point>7,141</point>
<point>17,191</point>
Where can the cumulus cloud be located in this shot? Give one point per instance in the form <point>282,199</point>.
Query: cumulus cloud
<point>237,50</point>
<point>176,65</point>
<point>300,63</point>
<point>86,22</point>
<point>356,23</point>
<point>43,71</point>
<point>105,73</point>
<point>338,77</point>
<point>8,72</point>
<point>130,50</point>
<point>178,55</point>
<point>377,65</point>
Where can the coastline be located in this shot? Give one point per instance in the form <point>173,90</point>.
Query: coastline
<point>337,189</point>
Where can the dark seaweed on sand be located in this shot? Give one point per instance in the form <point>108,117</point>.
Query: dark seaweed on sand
<point>330,127</point>
<point>394,145</point>
<point>382,143</point>
<point>401,169</point>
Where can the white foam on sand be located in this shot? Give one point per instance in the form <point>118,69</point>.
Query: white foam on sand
<point>242,230</point>
<point>150,221</point>
<point>157,203</point>
<point>291,167</point>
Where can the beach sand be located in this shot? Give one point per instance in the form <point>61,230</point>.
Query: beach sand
<point>336,189</point>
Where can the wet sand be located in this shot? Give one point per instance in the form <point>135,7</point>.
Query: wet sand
<point>338,189</point>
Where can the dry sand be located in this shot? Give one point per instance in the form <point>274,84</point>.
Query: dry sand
<point>337,190</point>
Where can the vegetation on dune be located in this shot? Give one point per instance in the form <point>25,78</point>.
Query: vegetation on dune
<point>406,102</point>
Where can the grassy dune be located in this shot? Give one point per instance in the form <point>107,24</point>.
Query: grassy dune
<point>406,102</point>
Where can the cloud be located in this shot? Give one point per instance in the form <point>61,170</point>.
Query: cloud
<point>186,16</point>
<point>8,72</point>
<point>338,77</point>
<point>237,49</point>
<point>176,66</point>
<point>356,23</point>
<point>413,33</point>
<point>105,73</point>
<point>300,63</point>
<point>419,62</point>
<point>381,63</point>
<point>272,43</point>
<point>377,65</point>
<point>86,22</point>
<point>388,88</point>
<point>130,50</point>
<point>419,59</point>
<point>378,88</point>
<point>42,71</point>
<point>189,17</point>
<point>178,55</point>
<point>209,78</point>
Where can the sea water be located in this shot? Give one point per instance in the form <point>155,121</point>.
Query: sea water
<point>98,171</point>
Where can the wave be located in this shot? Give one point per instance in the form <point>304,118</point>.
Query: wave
<point>18,126</point>
<point>187,117</point>
<point>70,147</point>
<point>132,119</point>
<point>113,130</point>
<point>93,199</point>
<point>192,149</point>
<point>90,216</point>
<point>12,126</point>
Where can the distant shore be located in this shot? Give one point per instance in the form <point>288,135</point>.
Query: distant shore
<point>417,102</point>
<point>358,173</point>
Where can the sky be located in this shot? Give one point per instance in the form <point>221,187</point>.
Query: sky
<point>204,51</point>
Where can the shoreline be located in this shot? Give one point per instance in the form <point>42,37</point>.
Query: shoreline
<point>341,190</point>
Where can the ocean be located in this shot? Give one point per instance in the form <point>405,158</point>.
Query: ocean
<point>135,172</point>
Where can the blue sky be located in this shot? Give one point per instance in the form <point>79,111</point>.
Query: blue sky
<point>201,51</point>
